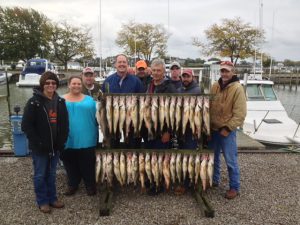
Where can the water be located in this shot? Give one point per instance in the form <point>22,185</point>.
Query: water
<point>19,96</point>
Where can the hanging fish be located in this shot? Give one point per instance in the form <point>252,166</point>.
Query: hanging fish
<point>210,168</point>
<point>179,167</point>
<point>167,111</point>
<point>198,117</point>
<point>192,113</point>
<point>109,113</point>
<point>191,168</point>
<point>116,113</point>
<point>117,172</point>
<point>206,117</point>
<point>203,172</point>
<point>172,112</point>
<point>185,113</point>
<point>122,112</point>
<point>166,171</point>
<point>161,112</point>
<point>173,168</point>
<point>184,166</point>
<point>98,167</point>
<point>148,167</point>
<point>142,172</point>
<point>123,168</point>
<point>178,112</point>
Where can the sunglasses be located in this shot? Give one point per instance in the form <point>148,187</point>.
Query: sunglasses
<point>50,82</point>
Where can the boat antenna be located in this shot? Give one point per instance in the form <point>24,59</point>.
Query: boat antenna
<point>100,37</point>
<point>272,39</point>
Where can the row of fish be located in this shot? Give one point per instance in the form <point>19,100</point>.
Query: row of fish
<point>121,113</point>
<point>158,168</point>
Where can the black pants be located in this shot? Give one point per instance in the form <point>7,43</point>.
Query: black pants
<point>80,164</point>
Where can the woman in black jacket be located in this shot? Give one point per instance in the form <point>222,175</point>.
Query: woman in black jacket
<point>45,123</point>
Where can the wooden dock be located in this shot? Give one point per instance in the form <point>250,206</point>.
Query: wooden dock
<point>244,142</point>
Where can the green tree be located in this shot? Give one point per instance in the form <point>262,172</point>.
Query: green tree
<point>233,38</point>
<point>68,41</point>
<point>24,33</point>
<point>146,40</point>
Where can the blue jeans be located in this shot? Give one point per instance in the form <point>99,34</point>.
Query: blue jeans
<point>229,148</point>
<point>44,178</point>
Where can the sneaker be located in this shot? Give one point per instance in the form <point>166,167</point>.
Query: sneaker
<point>231,194</point>
<point>45,208</point>
<point>71,191</point>
<point>57,204</point>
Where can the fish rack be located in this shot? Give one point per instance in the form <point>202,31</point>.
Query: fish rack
<point>106,189</point>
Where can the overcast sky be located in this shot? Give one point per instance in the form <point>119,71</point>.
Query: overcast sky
<point>187,19</point>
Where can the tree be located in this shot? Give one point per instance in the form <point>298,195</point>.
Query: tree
<point>24,33</point>
<point>146,40</point>
<point>68,42</point>
<point>233,38</point>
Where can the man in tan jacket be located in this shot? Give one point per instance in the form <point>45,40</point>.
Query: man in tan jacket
<point>228,111</point>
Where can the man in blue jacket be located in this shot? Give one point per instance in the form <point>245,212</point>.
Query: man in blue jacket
<point>122,81</point>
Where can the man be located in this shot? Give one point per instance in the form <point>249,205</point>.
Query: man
<point>188,83</point>
<point>141,72</point>
<point>228,111</point>
<point>88,80</point>
<point>175,74</point>
<point>122,81</point>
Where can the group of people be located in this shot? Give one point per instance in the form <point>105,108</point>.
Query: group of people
<point>66,128</point>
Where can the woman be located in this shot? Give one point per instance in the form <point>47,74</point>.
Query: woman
<point>45,123</point>
<point>79,154</point>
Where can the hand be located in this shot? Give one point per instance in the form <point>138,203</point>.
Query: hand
<point>165,137</point>
<point>224,132</point>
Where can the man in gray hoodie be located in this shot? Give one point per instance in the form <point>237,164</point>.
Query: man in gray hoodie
<point>188,83</point>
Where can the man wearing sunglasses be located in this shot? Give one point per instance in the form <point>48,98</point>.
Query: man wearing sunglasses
<point>228,111</point>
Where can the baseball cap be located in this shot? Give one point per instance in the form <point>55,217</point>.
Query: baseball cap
<point>141,64</point>
<point>87,70</point>
<point>188,71</point>
<point>175,64</point>
<point>226,65</point>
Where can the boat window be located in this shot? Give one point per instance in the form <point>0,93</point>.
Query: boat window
<point>254,92</point>
<point>269,92</point>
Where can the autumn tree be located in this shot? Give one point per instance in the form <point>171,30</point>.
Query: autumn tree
<point>146,40</point>
<point>68,41</point>
<point>24,33</point>
<point>233,38</point>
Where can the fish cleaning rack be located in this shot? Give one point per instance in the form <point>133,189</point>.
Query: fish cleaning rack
<point>106,188</point>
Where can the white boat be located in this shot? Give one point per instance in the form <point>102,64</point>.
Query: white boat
<point>267,121</point>
<point>3,77</point>
<point>32,72</point>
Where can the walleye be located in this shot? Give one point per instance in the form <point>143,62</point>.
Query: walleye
<point>103,169</point>
<point>135,168</point>
<point>197,168</point>
<point>116,113</point>
<point>123,167</point>
<point>198,116</point>
<point>129,167</point>
<point>142,171</point>
<point>155,169</point>
<point>172,110</point>
<point>128,115</point>
<point>203,172</point>
<point>117,172</point>
<point>98,167</point>
<point>179,167</point>
<point>206,118</point>
<point>102,121</point>
<point>184,166</point>
<point>210,168</point>
<point>167,111</point>
<point>134,114</point>
<point>160,165</point>
<point>154,112</point>
<point>109,113</point>
<point>173,167</point>
<point>192,113</point>
<point>109,169</point>
<point>141,111</point>
<point>191,168</point>
<point>166,171</point>
<point>161,112</point>
<point>147,117</point>
<point>148,166</point>
<point>122,114</point>
<point>178,112</point>
<point>185,113</point>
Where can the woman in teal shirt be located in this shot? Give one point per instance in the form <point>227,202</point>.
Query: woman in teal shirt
<point>79,154</point>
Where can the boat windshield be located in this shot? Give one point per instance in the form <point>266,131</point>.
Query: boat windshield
<point>260,92</point>
<point>38,67</point>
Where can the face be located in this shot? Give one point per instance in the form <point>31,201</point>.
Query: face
<point>226,75</point>
<point>88,78</point>
<point>175,73</point>
<point>75,86</point>
<point>121,64</point>
<point>158,72</point>
<point>141,72</point>
<point>186,79</point>
<point>50,87</point>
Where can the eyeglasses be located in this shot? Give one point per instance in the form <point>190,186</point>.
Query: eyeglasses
<point>228,63</point>
<point>50,82</point>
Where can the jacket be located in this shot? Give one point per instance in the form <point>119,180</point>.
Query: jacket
<point>228,106</point>
<point>93,93</point>
<point>36,125</point>
<point>165,87</point>
<point>192,88</point>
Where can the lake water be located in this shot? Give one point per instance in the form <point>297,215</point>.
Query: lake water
<point>19,96</point>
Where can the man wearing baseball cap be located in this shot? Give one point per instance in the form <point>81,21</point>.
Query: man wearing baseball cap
<point>141,67</point>
<point>188,83</point>
<point>90,87</point>
<point>175,70</point>
<point>228,111</point>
